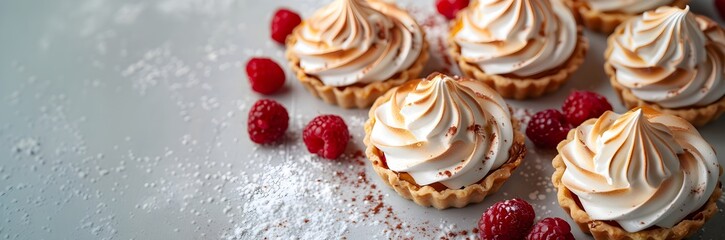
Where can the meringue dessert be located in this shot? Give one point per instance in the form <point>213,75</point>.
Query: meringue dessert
<point>605,15</point>
<point>443,141</point>
<point>672,60</point>
<point>639,175</point>
<point>521,48</point>
<point>352,51</point>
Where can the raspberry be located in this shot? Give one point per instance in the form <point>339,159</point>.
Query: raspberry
<point>551,229</point>
<point>326,136</point>
<point>547,128</point>
<point>510,219</point>
<point>583,105</point>
<point>265,75</point>
<point>449,8</point>
<point>283,23</point>
<point>267,122</point>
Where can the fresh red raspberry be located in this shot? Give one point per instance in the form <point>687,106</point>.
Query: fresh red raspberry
<point>326,136</point>
<point>583,105</point>
<point>551,229</point>
<point>283,22</point>
<point>265,75</point>
<point>547,128</point>
<point>267,121</point>
<point>510,219</point>
<point>449,8</point>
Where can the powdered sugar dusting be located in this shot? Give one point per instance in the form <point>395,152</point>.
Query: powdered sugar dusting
<point>307,197</point>
<point>29,146</point>
<point>292,201</point>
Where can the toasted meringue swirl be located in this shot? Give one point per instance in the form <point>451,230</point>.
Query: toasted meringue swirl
<point>671,57</point>
<point>357,41</point>
<point>640,169</point>
<point>627,6</point>
<point>520,37</point>
<point>444,130</point>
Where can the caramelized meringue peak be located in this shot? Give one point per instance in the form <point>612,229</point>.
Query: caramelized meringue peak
<point>633,147</point>
<point>357,41</point>
<point>640,169</point>
<point>446,130</point>
<point>521,37</point>
<point>665,57</point>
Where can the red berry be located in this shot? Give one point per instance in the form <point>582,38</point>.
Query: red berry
<point>551,229</point>
<point>265,75</point>
<point>547,128</point>
<point>720,6</point>
<point>510,219</point>
<point>583,105</point>
<point>326,136</point>
<point>283,22</point>
<point>267,122</point>
<point>449,8</point>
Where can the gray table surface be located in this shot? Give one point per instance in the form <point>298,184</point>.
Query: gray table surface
<point>127,120</point>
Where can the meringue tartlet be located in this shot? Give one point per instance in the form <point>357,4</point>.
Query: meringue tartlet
<point>605,15</point>
<point>672,60</point>
<point>521,48</point>
<point>443,141</point>
<point>351,52</point>
<point>639,175</point>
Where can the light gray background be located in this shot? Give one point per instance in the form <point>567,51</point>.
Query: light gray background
<point>127,120</point>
